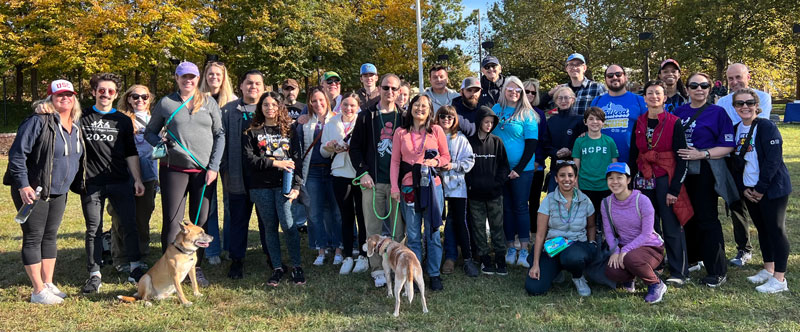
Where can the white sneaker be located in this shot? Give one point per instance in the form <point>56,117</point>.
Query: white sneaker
<point>773,286</point>
<point>53,289</point>
<point>582,286</point>
<point>46,297</point>
<point>522,260</point>
<point>362,264</point>
<point>214,260</point>
<point>697,267</point>
<point>320,260</point>
<point>761,277</point>
<point>347,266</point>
<point>337,259</point>
<point>380,279</point>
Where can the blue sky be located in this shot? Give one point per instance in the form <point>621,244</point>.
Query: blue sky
<point>469,6</point>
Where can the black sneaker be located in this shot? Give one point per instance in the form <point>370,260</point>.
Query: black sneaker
<point>714,281</point>
<point>201,277</point>
<point>436,283</point>
<point>92,285</point>
<point>470,269</point>
<point>136,274</point>
<point>487,267</point>
<point>275,279</point>
<point>302,229</point>
<point>236,270</point>
<point>298,277</point>
<point>500,265</point>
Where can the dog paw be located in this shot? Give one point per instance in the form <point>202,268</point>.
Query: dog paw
<point>390,295</point>
<point>148,304</point>
<point>188,304</point>
<point>198,294</point>
<point>396,314</point>
<point>425,310</point>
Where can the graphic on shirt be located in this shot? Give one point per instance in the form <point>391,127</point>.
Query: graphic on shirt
<point>101,131</point>
<point>689,131</point>
<point>275,146</point>
<point>617,117</point>
<point>740,143</point>
<point>385,143</point>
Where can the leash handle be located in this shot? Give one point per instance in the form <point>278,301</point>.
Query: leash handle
<point>356,182</point>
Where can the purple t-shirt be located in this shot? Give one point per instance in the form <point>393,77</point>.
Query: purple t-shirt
<point>711,129</point>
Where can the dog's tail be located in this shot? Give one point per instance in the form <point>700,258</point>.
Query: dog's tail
<point>127,299</point>
<point>410,282</point>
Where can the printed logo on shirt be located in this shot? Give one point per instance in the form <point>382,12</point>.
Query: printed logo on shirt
<point>728,137</point>
<point>740,143</point>
<point>485,156</point>
<point>689,131</point>
<point>775,142</point>
<point>275,146</point>
<point>569,132</point>
<point>594,149</point>
<point>617,117</point>
<point>100,131</point>
<point>385,144</point>
<point>100,124</point>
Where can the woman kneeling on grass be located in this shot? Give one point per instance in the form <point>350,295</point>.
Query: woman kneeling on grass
<point>270,150</point>
<point>567,214</point>
<point>636,247</point>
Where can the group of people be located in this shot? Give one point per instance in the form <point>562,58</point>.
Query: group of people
<point>633,180</point>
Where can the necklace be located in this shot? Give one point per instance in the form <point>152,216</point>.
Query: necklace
<point>569,217</point>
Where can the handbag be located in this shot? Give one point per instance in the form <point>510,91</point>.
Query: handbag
<point>160,150</point>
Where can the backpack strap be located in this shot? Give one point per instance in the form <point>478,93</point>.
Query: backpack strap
<point>611,221</point>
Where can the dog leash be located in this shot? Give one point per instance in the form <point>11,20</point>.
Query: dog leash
<point>356,182</point>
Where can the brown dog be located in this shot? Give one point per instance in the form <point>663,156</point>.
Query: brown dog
<point>180,259</point>
<point>404,263</point>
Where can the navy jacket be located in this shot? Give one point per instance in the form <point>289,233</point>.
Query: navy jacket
<point>773,177</point>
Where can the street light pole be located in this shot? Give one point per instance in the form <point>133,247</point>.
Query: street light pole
<point>480,54</point>
<point>796,31</point>
<point>419,48</point>
<point>643,38</point>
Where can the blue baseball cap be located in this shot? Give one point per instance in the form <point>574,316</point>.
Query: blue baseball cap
<point>369,68</point>
<point>187,67</point>
<point>619,168</point>
<point>576,56</point>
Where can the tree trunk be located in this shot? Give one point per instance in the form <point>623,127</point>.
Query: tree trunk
<point>34,84</point>
<point>721,63</point>
<point>154,80</point>
<point>20,81</point>
<point>137,76</point>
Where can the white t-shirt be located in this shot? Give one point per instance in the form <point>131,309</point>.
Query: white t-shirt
<point>765,102</point>
<point>751,170</point>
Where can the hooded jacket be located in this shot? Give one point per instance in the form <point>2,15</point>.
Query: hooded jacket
<point>485,180</point>
<point>490,91</point>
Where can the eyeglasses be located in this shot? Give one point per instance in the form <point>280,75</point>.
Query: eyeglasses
<point>332,81</point>
<point>740,103</point>
<point>530,92</point>
<point>445,117</point>
<point>490,66</point>
<point>695,85</point>
<point>135,96</point>
<point>517,90</point>
<point>287,88</point>
<point>386,88</point>
<point>564,98</point>
<point>568,162</point>
<point>64,95</point>
<point>102,91</point>
<point>617,74</point>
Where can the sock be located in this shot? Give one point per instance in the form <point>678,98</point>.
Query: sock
<point>135,265</point>
<point>95,273</point>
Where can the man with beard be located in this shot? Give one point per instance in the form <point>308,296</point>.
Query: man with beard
<point>739,78</point>
<point>290,89</point>
<point>491,81</point>
<point>467,105</point>
<point>622,108</point>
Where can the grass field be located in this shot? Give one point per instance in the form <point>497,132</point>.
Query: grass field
<point>330,302</point>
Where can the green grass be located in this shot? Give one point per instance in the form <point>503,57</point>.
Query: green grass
<point>330,302</point>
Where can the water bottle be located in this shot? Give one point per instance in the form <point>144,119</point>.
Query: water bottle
<point>288,175</point>
<point>25,210</point>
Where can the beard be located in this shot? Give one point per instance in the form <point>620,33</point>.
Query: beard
<point>616,89</point>
<point>470,102</point>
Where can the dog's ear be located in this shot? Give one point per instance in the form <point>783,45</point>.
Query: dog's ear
<point>183,225</point>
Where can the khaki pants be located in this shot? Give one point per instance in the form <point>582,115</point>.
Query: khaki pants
<point>377,226</point>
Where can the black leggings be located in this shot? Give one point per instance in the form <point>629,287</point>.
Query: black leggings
<point>348,198</point>
<point>769,217</point>
<point>40,231</point>
<point>704,239</point>
<point>174,187</point>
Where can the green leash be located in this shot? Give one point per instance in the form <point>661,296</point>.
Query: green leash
<point>356,182</point>
<point>203,193</point>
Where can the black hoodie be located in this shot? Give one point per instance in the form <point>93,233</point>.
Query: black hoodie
<point>485,180</point>
<point>490,91</point>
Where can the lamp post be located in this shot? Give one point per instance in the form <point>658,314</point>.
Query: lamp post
<point>478,19</point>
<point>317,59</point>
<point>643,37</point>
<point>796,31</point>
<point>488,46</point>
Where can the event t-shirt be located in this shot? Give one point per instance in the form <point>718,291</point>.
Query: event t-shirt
<point>595,156</point>
<point>621,114</point>
<point>109,140</point>
<point>387,123</point>
<point>751,168</point>
<point>711,129</point>
<point>514,132</point>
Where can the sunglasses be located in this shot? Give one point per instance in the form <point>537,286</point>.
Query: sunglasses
<point>490,66</point>
<point>617,74</point>
<point>445,117</point>
<point>517,90</point>
<point>138,96</point>
<point>332,81</point>
<point>568,162</point>
<point>387,88</point>
<point>740,103</point>
<point>695,85</point>
<point>64,95</point>
<point>288,88</point>
<point>102,91</point>
<point>530,92</point>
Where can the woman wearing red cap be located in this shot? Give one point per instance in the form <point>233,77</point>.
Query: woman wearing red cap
<point>46,154</point>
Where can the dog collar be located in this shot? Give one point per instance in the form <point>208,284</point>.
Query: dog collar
<point>182,249</point>
<point>380,243</point>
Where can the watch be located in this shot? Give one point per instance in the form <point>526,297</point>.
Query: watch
<point>708,154</point>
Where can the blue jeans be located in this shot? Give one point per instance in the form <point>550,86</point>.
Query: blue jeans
<point>212,223</point>
<point>574,259</point>
<point>325,222</point>
<point>414,234</point>
<point>274,208</point>
<point>516,217</point>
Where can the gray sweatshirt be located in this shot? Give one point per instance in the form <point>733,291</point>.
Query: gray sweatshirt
<point>234,122</point>
<point>200,132</point>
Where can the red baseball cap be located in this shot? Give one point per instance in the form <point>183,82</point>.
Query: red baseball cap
<point>670,61</point>
<point>60,86</point>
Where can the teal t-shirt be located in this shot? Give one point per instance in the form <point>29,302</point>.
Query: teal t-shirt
<point>514,133</point>
<point>595,156</point>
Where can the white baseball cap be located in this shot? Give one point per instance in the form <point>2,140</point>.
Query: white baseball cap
<point>60,86</point>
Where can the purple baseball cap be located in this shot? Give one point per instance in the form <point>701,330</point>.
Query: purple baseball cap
<point>187,67</point>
